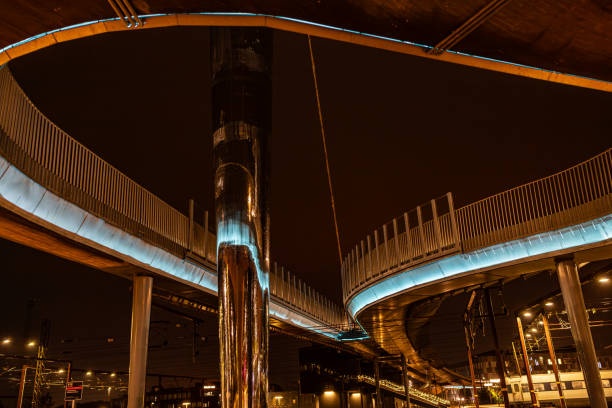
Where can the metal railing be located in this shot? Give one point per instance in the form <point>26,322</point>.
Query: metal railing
<point>399,389</point>
<point>52,158</point>
<point>426,232</point>
<point>578,194</point>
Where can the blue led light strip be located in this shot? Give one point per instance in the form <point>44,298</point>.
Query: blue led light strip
<point>568,239</point>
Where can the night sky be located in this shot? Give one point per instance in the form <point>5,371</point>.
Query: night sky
<point>400,131</point>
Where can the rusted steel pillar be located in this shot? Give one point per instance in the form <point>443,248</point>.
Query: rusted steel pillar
<point>553,358</point>
<point>241,104</point>
<point>571,290</point>
<point>500,359</point>
<point>534,398</point>
<point>468,342</point>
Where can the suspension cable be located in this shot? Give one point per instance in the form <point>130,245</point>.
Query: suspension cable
<point>331,191</point>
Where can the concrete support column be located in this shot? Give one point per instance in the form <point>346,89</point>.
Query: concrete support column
<point>241,106</point>
<point>139,341</point>
<point>579,321</point>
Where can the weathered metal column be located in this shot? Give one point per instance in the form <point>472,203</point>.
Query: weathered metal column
<point>139,341</point>
<point>579,321</point>
<point>534,397</point>
<point>553,359</point>
<point>241,105</point>
<point>468,341</point>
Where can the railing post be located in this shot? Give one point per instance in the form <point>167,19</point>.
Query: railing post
<point>377,248</point>
<point>434,211</point>
<point>421,233</point>
<point>357,268</point>
<point>369,257</point>
<point>408,239</point>
<point>396,239</point>
<point>386,242</point>
<point>363,262</point>
<point>451,212</point>
<point>190,238</point>
<point>206,234</point>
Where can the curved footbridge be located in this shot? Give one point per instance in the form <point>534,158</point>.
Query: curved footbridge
<point>436,249</point>
<point>58,196</point>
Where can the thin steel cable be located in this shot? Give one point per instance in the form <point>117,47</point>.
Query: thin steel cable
<point>331,191</point>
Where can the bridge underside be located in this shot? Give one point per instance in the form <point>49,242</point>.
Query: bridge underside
<point>18,228</point>
<point>395,337</point>
<point>563,36</point>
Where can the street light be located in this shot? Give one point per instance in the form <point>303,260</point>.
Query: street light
<point>31,344</point>
<point>604,279</point>
<point>89,373</point>
<point>527,314</point>
<point>6,341</point>
<point>549,304</point>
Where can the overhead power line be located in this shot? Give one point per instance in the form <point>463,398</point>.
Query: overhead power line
<point>331,190</point>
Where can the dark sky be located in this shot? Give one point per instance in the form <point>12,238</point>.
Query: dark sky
<point>401,130</point>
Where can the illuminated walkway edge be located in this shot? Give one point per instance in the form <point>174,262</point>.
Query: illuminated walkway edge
<point>572,238</point>
<point>208,19</point>
<point>39,204</point>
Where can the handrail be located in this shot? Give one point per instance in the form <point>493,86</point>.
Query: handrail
<point>52,158</point>
<point>578,194</point>
<point>399,389</point>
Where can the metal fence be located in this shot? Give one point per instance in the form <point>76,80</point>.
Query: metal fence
<point>426,232</point>
<point>570,197</point>
<point>47,154</point>
<point>399,389</point>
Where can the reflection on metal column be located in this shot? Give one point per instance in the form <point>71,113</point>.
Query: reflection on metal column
<point>241,95</point>
<point>579,321</point>
<point>139,341</point>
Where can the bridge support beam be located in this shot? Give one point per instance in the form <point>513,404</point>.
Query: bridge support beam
<point>139,341</point>
<point>241,107</point>
<point>571,290</point>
